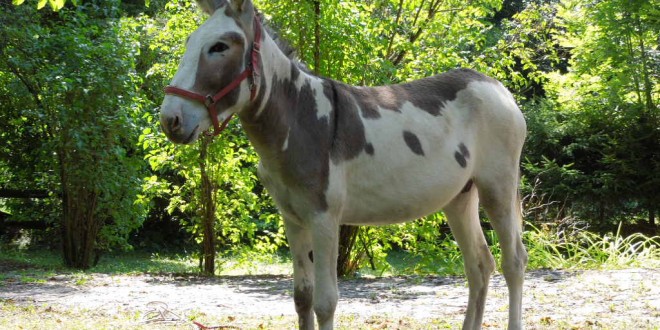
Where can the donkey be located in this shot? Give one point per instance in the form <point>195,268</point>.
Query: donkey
<point>333,154</point>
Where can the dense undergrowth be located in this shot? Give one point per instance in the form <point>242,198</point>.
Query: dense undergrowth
<point>547,248</point>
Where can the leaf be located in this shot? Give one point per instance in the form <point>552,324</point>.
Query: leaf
<point>17,2</point>
<point>41,4</point>
<point>57,4</point>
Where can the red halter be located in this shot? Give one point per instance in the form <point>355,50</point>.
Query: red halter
<point>210,101</point>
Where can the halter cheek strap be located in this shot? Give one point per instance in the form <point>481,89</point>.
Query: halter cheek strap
<point>211,101</point>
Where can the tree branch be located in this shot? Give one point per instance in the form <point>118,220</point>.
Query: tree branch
<point>317,36</point>
<point>433,9</point>
<point>388,53</point>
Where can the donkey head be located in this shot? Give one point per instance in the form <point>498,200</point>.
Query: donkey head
<point>215,78</point>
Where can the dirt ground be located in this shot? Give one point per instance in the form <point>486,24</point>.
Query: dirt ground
<point>552,299</point>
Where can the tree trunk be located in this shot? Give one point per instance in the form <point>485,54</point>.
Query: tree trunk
<point>80,227</point>
<point>317,36</point>
<point>347,238</point>
<point>652,216</point>
<point>208,211</point>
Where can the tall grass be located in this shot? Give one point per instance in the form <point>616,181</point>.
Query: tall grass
<point>581,249</point>
<point>547,247</point>
<point>565,243</point>
<point>554,248</point>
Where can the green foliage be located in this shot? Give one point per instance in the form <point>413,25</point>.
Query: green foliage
<point>58,4</point>
<point>523,49</point>
<point>76,102</point>
<point>423,241</point>
<point>54,4</point>
<point>595,140</point>
<point>384,41</point>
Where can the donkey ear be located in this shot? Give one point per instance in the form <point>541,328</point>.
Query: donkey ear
<point>241,6</point>
<point>209,6</point>
<point>244,11</point>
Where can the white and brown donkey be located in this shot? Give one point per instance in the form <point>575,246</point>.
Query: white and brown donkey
<point>335,154</point>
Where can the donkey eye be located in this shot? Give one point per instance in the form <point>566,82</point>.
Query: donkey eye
<point>218,48</point>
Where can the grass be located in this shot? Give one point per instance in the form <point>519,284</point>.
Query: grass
<point>37,266</point>
<point>46,263</point>
<point>547,249</point>
<point>585,250</point>
<point>247,262</point>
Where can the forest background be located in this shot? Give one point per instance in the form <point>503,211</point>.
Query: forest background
<point>85,168</point>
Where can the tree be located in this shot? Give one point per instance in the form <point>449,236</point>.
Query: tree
<point>601,116</point>
<point>76,92</point>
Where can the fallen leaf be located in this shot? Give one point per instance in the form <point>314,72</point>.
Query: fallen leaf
<point>546,320</point>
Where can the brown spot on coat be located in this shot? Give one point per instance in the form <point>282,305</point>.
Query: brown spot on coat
<point>369,149</point>
<point>413,143</point>
<point>467,187</point>
<point>370,100</point>
<point>464,150</point>
<point>348,136</point>
<point>295,72</point>
<point>430,94</point>
<point>303,298</point>
<point>462,155</point>
<point>460,159</point>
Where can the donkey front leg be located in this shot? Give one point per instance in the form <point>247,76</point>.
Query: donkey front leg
<point>325,233</point>
<point>300,244</point>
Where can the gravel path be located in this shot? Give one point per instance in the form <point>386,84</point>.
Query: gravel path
<point>586,299</point>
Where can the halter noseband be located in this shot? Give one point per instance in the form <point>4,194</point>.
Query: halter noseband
<point>210,101</point>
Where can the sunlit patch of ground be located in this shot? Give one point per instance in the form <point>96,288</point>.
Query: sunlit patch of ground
<point>613,299</point>
<point>38,299</point>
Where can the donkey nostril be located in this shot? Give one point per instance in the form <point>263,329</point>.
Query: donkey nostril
<point>175,123</point>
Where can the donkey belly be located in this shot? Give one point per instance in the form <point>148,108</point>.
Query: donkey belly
<point>396,202</point>
<point>406,177</point>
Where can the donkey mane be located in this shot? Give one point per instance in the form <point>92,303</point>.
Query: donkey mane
<point>284,45</point>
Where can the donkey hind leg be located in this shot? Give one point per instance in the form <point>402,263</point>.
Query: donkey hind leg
<point>463,218</point>
<point>499,198</point>
<point>300,243</point>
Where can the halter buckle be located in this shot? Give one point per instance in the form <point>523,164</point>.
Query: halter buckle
<point>209,100</point>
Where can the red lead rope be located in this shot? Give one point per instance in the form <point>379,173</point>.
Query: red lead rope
<point>210,101</point>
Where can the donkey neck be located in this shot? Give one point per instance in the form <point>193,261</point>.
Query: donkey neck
<point>290,104</point>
